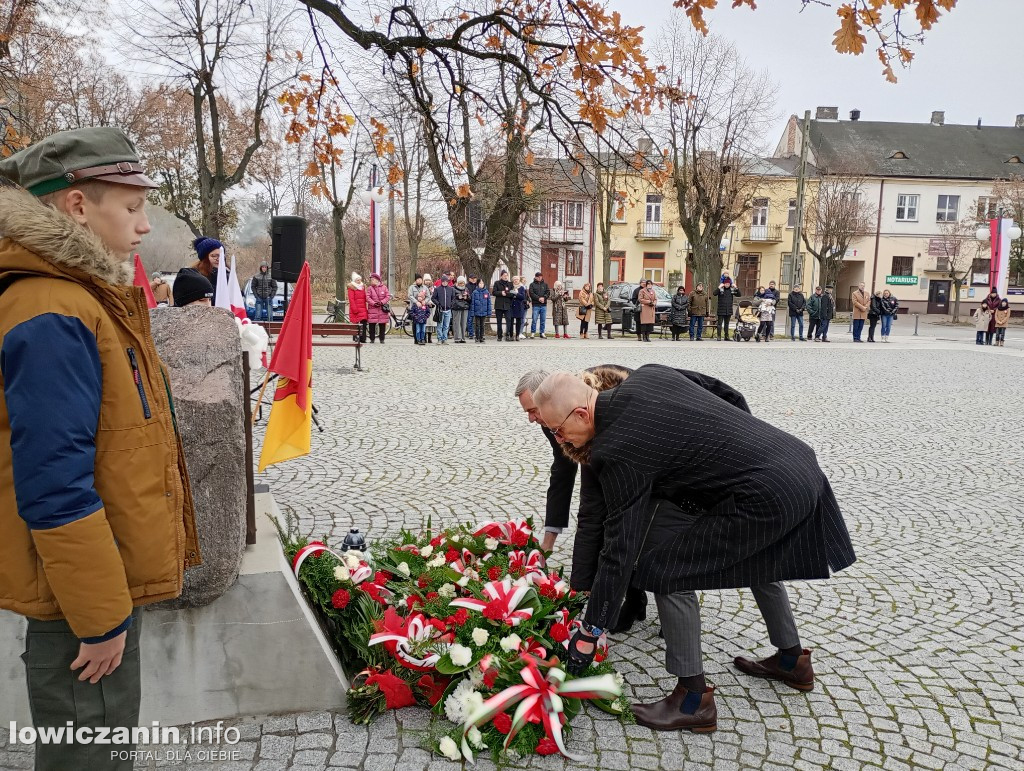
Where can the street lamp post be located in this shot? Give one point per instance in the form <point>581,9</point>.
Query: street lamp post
<point>374,195</point>
<point>1000,232</point>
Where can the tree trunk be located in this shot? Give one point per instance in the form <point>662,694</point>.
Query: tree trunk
<point>956,300</point>
<point>340,274</point>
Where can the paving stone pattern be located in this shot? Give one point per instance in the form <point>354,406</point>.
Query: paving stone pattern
<point>918,647</point>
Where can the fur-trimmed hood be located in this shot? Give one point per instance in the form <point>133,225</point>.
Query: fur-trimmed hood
<point>52,243</point>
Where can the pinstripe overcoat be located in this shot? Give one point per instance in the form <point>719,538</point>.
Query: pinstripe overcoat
<point>769,512</point>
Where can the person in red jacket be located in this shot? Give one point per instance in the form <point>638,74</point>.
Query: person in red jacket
<point>357,304</point>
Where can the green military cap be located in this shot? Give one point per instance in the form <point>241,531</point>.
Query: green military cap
<point>58,161</point>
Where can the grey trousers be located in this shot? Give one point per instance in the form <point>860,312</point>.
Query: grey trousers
<point>56,696</point>
<point>680,624</point>
<point>459,323</point>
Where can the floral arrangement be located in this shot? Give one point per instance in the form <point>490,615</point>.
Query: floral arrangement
<point>468,621</point>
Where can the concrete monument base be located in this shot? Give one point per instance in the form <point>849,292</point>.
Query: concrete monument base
<point>256,650</point>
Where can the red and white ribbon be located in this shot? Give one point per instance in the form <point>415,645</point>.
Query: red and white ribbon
<point>515,532</point>
<point>504,597</point>
<point>313,547</point>
<point>531,564</point>
<point>540,701</point>
<point>414,633</point>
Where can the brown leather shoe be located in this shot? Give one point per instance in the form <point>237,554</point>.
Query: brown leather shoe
<point>800,677</point>
<point>665,715</point>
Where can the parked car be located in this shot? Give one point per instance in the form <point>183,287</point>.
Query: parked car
<point>621,302</point>
<point>277,306</point>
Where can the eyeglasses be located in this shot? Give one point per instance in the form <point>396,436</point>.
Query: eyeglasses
<point>558,431</point>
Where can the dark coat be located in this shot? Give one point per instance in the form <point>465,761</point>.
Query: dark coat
<point>502,302</point>
<point>796,302</point>
<point>480,305</point>
<point>768,512</point>
<point>590,520</point>
<point>563,480</point>
<point>827,307</point>
<point>679,316</point>
<point>725,297</point>
<point>538,290</point>
<point>519,302</point>
<point>875,308</point>
<point>889,306</point>
<point>263,285</point>
<point>444,297</point>
<point>462,298</point>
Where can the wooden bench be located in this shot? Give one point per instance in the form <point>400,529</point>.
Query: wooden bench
<point>329,330</point>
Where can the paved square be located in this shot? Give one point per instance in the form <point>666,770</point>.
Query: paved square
<point>919,648</point>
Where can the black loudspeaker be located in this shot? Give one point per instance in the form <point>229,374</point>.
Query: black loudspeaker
<point>288,248</point>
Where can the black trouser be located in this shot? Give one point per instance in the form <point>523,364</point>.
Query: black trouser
<point>57,697</point>
<point>723,321</point>
<point>503,315</point>
<point>362,331</point>
<point>479,322</point>
<point>647,329</point>
<point>763,329</point>
<point>873,322</point>
<point>374,328</point>
<point>518,322</point>
<point>678,331</point>
<point>812,326</point>
<point>584,327</point>
<point>988,338</point>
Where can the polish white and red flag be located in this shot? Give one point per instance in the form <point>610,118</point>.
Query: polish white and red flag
<point>229,294</point>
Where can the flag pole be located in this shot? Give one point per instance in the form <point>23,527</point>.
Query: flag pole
<point>259,400</point>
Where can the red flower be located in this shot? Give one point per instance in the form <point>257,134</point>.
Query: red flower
<point>521,538</point>
<point>494,573</point>
<point>422,582</point>
<point>381,577</point>
<point>432,596</point>
<point>549,591</point>
<point>438,624</point>
<point>503,723</point>
<point>340,599</point>
<point>397,693</point>
<point>559,633</point>
<point>451,555</point>
<point>572,593</point>
<point>374,591</point>
<point>432,689</point>
<point>461,616</point>
<point>436,541</point>
<point>490,677</point>
<point>546,746</point>
<point>411,601</point>
<point>496,610</point>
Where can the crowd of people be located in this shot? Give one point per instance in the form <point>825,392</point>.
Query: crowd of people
<point>991,319</point>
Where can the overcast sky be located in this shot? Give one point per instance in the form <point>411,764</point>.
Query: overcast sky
<point>970,64</point>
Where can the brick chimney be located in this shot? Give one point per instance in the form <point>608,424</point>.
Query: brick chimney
<point>938,118</point>
<point>826,113</point>
<point>1020,121</point>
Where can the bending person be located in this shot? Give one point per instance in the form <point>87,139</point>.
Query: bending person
<point>706,509</point>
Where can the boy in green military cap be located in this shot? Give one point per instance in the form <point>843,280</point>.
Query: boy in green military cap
<point>96,515</point>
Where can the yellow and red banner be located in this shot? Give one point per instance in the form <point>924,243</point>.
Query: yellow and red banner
<point>289,428</point>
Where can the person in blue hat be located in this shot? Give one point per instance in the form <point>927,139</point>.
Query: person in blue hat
<point>210,252</point>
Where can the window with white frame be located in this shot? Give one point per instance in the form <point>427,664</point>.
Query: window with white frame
<point>538,218</point>
<point>759,213</point>
<point>948,208</point>
<point>557,210</point>
<point>653,213</point>
<point>574,215</point>
<point>906,207</point>
<point>988,207</point>
<point>618,212</point>
<point>791,215</point>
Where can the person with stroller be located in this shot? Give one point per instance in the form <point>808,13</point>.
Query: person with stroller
<point>746,321</point>
<point>766,315</point>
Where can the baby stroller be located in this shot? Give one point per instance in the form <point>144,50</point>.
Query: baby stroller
<point>746,321</point>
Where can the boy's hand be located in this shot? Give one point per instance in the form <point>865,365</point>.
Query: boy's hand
<point>100,659</point>
<point>549,541</point>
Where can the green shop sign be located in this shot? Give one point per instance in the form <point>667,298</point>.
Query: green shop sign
<point>906,280</point>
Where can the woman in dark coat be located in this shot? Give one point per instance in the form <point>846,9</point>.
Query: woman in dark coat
<point>992,303</point>
<point>680,313</point>
<point>874,314</point>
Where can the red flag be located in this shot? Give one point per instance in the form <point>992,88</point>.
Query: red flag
<point>142,281</point>
<point>293,353</point>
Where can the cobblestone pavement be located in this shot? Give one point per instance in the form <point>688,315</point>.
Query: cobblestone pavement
<point>919,647</point>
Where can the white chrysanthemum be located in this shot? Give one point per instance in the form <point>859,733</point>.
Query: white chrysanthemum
<point>476,677</point>
<point>341,573</point>
<point>351,561</point>
<point>455,704</point>
<point>426,551</point>
<point>491,544</point>
<point>460,655</point>
<point>481,636</point>
<point>449,748</point>
<point>473,575</point>
<point>464,581</point>
<point>511,643</point>
<point>403,568</point>
<point>473,701</point>
<point>619,679</point>
<point>476,739</point>
<point>447,591</point>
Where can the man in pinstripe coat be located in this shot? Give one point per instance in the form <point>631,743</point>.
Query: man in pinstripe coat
<point>697,494</point>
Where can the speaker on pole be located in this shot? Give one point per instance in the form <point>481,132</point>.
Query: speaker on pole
<point>288,248</point>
